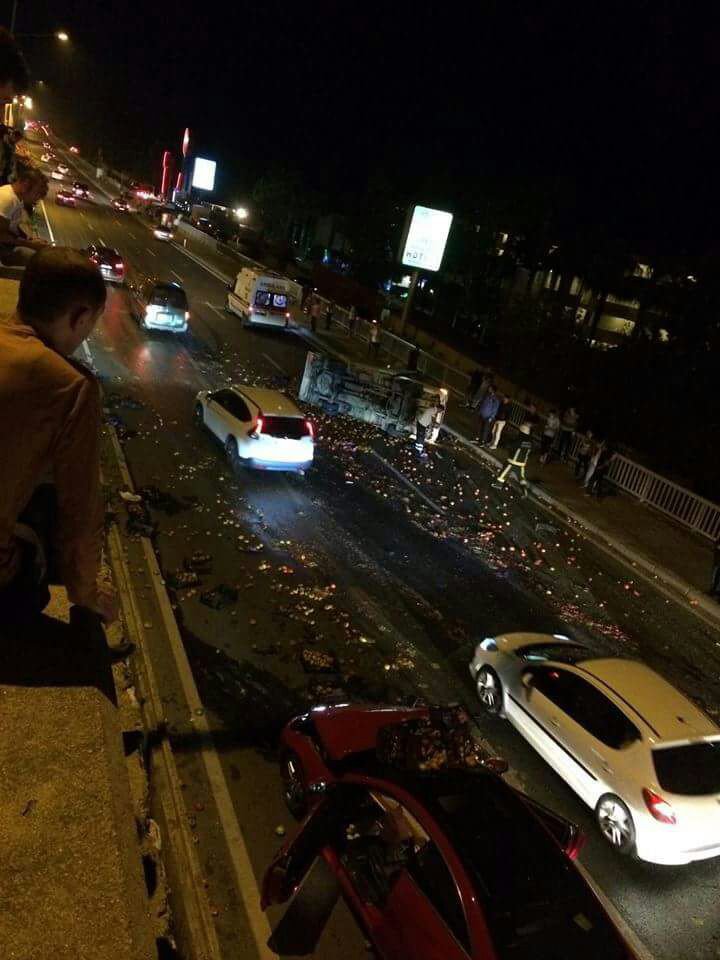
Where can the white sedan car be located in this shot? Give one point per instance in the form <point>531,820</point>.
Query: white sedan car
<point>63,168</point>
<point>57,174</point>
<point>634,748</point>
<point>259,428</point>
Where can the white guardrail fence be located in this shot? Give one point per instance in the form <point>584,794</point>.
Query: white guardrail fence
<point>682,505</point>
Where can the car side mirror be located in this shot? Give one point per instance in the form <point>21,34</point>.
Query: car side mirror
<point>527,678</point>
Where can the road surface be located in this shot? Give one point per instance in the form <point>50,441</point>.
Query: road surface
<point>351,560</point>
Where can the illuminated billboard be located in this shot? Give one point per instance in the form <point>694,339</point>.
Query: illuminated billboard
<point>204,174</point>
<point>425,239</point>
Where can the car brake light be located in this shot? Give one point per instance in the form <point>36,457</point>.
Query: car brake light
<point>659,808</point>
<point>575,845</point>
<point>120,266</point>
<point>310,429</point>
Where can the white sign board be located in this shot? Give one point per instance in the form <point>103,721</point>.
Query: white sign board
<point>426,238</point>
<point>204,174</point>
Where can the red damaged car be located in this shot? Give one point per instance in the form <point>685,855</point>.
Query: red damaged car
<point>436,856</point>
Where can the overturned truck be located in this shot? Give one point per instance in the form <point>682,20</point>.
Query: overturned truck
<point>389,399</point>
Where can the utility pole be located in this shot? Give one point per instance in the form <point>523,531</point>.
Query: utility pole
<point>13,15</point>
<point>407,306</point>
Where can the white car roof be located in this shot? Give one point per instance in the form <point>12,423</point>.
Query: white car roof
<point>668,713</point>
<point>271,402</point>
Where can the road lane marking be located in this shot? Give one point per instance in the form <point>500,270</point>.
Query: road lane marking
<point>47,221</point>
<point>102,242</point>
<point>151,251</point>
<point>117,222</point>
<point>274,363</point>
<point>177,275</point>
<point>407,481</point>
<point>132,235</point>
<point>203,264</point>
<point>217,310</point>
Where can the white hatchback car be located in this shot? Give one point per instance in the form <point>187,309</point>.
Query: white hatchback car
<point>260,428</point>
<point>634,748</point>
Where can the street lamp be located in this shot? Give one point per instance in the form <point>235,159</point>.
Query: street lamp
<point>241,213</point>
<point>62,36</point>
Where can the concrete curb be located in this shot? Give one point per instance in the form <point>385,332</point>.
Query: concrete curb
<point>193,925</point>
<point>669,583</point>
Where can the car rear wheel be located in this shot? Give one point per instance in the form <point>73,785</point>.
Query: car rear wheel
<point>616,823</point>
<point>489,689</point>
<point>232,452</point>
<point>294,790</point>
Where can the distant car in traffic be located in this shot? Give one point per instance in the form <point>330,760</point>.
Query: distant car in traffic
<point>57,174</point>
<point>74,150</point>
<point>81,190</point>
<point>47,145</point>
<point>65,198</point>
<point>120,205</point>
<point>433,863</point>
<point>163,232</point>
<point>634,748</point>
<point>259,428</point>
<point>47,157</point>
<point>63,168</point>
<point>109,260</point>
<point>159,304</point>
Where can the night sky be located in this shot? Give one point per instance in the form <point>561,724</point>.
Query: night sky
<point>611,108</point>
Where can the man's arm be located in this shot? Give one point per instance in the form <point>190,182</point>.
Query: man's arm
<point>76,466</point>
<point>8,238</point>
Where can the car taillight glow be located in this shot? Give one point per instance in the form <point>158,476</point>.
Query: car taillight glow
<point>310,429</point>
<point>659,808</point>
<point>573,848</point>
<point>120,266</point>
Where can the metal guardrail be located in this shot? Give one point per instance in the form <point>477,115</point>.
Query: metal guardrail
<point>680,504</point>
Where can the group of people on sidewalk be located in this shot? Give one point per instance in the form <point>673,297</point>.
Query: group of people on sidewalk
<point>559,436</point>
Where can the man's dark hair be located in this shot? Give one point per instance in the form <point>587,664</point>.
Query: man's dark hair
<point>12,63</point>
<point>57,280</point>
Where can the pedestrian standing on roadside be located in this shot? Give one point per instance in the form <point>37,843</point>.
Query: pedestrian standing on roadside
<point>568,426</point>
<point>374,339</point>
<point>585,449</point>
<point>500,421</point>
<point>423,426</point>
<point>473,385</point>
<point>314,314</point>
<point>53,403</point>
<point>715,580</point>
<point>593,462</point>
<point>352,321</point>
<point>596,486</point>
<point>549,435</point>
<point>329,311</point>
<point>488,412</point>
<point>485,381</point>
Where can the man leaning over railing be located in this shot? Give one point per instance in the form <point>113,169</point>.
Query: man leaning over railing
<point>50,414</point>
